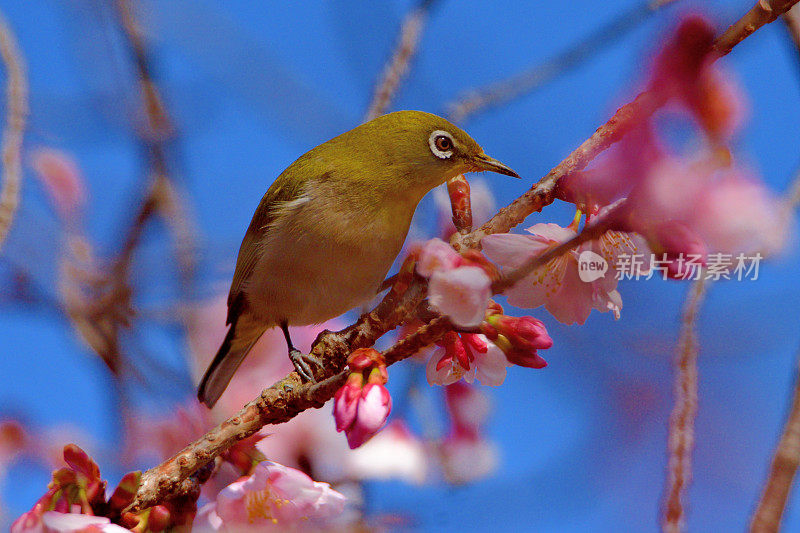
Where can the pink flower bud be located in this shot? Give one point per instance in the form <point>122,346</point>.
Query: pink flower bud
<point>362,405</point>
<point>520,338</point>
<point>61,178</point>
<point>345,401</point>
<point>374,407</point>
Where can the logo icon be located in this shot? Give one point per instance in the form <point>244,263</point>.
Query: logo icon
<point>591,266</point>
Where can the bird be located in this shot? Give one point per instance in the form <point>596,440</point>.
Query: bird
<point>329,228</point>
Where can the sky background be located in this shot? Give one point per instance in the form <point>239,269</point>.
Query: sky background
<point>252,85</point>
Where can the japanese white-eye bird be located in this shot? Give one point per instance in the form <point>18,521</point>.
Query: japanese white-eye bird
<point>329,228</point>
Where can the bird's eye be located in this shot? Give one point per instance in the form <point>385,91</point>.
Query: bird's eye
<point>441,144</point>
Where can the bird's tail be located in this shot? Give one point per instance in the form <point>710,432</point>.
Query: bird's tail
<point>230,355</point>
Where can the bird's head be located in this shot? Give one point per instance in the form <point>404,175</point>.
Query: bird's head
<point>422,150</point>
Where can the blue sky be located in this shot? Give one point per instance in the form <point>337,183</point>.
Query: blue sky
<point>252,86</point>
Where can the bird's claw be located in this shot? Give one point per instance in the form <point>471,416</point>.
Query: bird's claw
<point>303,365</point>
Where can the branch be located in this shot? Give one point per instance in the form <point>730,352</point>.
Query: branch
<point>612,131</point>
<point>769,512</point>
<point>681,422</point>
<point>397,68</point>
<point>288,397</point>
<point>16,114</point>
<point>792,21</point>
<point>504,91</point>
<point>763,12</point>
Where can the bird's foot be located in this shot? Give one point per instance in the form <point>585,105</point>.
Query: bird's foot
<point>304,364</point>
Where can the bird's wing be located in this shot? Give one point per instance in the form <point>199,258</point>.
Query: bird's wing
<point>282,191</point>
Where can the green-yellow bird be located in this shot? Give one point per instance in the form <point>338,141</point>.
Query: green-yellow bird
<point>328,229</point>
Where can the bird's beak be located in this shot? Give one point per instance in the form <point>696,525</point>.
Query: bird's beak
<point>484,162</point>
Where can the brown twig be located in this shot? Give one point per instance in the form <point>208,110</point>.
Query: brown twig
<point>289,396</point>
<point>769,511</point>
<point>763,12</point>
<point>102,306</point>
<point>16,114</point>
<point>504,91</point>
<point>768,514</point>
<point>681,422</point>
<point>397,67</point>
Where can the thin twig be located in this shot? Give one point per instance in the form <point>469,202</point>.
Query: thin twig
<point>681,421</point>
<point>768,514</point>
<point>502,92</point>
<point>770,508</point>
<point>792,21</point>
<point>156,136</point>
<point>16,114</point>
<point>289,396</point>
<point>763,12</point>
<point>397,67</point>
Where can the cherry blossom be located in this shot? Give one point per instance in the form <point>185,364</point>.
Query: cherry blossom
<point>393,453</point>
<point>458,286</point>
<point>557,285</point>
<point>461,293</point>
<point>465,454</point>
<point>273,497</point>
<point>468,356</point>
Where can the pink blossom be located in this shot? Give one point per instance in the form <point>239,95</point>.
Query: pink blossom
<point>392,453</point>
<point>444,370</point>
<point>467,457</point>
<point>468,407</point>
<point>461,293</point>
<point>684,70</point>
<point>465,454</point>
<point>466,356</point>
<point>273,497</point>
<point>685,204</point>
<point>62,179</point>
<point>740,215</point>
<point>458,287</point>
<point>557,284</point>
<point>74,523</point>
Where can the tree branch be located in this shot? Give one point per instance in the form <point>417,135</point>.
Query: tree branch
<point>681,422</point>
<point>397,68</point>
<point>289,396</point>
<point>504,91</point>
<point>612,131</point>
<point>16,114</point>
<point>769,511</point>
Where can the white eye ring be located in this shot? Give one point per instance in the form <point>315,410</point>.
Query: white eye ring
<point>441,154</point>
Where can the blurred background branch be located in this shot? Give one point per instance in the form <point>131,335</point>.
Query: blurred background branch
<point>681,422</point>
<point>16,114</point>
<point>398,66</point>
<point>502,92</point>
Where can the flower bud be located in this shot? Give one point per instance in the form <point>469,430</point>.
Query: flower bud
<point>363,404</point>
<point>519,338</point>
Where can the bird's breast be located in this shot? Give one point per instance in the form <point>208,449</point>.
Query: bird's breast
<point>321,258</point>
